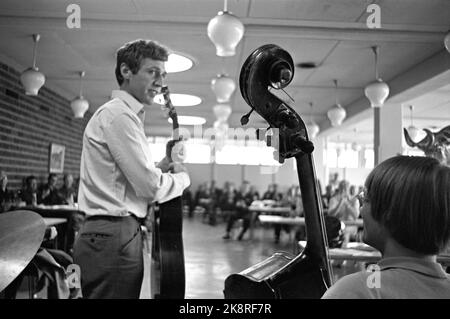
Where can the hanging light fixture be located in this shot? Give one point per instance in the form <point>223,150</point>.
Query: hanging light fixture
<point>355,146</point>
<point>31,79</point>
<point>223,87</point>
<point>336,114</point>
<point>378,91</point>
<point>222,112</point>
<point>447,41</point>
<point>412,130</point>
<point>220,134</point>
<point>312,128</point>
<point>226,31</point>
<point>80,105</point>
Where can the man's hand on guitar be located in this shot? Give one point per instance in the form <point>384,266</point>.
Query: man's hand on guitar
<point>164,165</point>
<point>177,168</point>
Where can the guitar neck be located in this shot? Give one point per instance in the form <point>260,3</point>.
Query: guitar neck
<point>315,226</point>
<point>172,114</point>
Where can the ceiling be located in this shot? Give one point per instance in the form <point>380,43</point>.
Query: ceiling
<point>330,33</point>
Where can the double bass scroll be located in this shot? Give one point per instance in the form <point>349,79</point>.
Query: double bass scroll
<point>284,275</point>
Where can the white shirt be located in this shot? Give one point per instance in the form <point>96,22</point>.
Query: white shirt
<point>117,172</point>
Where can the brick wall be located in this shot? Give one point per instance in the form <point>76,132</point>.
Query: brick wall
<point>28,124</point>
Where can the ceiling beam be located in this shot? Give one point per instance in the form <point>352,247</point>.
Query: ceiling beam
<point>355,31</point>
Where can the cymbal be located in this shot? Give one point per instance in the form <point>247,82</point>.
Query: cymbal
<point>21,235</point>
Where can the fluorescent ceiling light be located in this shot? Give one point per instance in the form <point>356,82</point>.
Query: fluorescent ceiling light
<point>179,99</point>
<point>189,120</point>
<point>178,63</point>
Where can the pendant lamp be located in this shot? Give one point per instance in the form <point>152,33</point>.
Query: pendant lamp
<point>223,87</point>
<point>447,41</point>
<point>377,91</point>
<point>226,31</point>
<point>80,105</point>
<point>312,128</point>
<point>412,130</point>
<point>222,112</point>
<point>337,114</point>
<point>31,79</point>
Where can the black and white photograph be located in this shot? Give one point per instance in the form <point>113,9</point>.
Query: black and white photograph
<point>246,151</point>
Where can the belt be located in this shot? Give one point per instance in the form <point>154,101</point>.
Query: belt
<point>110,217</point>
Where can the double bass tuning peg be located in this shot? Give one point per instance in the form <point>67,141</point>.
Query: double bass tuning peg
<point>245,118</point>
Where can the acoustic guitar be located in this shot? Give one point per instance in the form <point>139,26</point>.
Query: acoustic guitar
<point>284,275</point>
<point>168,273</point>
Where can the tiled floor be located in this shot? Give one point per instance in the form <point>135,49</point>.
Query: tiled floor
<point>209,259</point>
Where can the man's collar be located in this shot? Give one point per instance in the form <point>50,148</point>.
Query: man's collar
<point>134,104</point>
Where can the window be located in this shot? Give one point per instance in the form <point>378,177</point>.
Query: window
<point>235,152</point>
<point>341,155</point>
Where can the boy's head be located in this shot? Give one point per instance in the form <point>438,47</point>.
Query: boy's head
<point>410,198</point>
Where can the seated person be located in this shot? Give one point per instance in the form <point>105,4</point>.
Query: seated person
<point>205,199</point>
<point>49,195</point>
<point>67,192</point>
<point>188,201</point>
<point>6,196</point>
<point>345,207</point>
<point>406,213</point>
<point>30,192</point>
<point>243,200</point>
<point>272,193</point>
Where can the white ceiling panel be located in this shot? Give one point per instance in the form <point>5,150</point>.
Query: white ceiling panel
<point>331,33</point>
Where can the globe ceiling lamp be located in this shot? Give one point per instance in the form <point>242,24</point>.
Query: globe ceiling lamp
<point>337,114</point>
<point>356,147</point>
<point>221,127</point>
<point>378,91</point>
<point>223,87</point>
<point>447,41</point>
<point>226,31</point>
<point>312,128</point>
<point>222,112</point>
<point>31,79</point>
<point>80,105</point>
<point>412,130</point>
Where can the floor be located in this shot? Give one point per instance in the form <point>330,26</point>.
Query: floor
<point>209,259</point>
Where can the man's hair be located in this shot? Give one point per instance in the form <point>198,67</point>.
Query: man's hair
<point>132,54</point>
<point>410,197</point>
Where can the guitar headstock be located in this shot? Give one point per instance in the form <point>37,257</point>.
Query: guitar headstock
<point>269,66</point>
<point>175,148</point>
<point>168,106</point>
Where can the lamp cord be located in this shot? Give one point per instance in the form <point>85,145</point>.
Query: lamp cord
<point>81,83</point>
<point>36,39</point>
<point>335,93</point>
<point>375,51</point>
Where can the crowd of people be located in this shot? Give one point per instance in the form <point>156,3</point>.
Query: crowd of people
<point>231,203</point>
<point>32,194</point>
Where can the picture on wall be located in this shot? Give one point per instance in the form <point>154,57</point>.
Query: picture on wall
<point>56,158</point>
